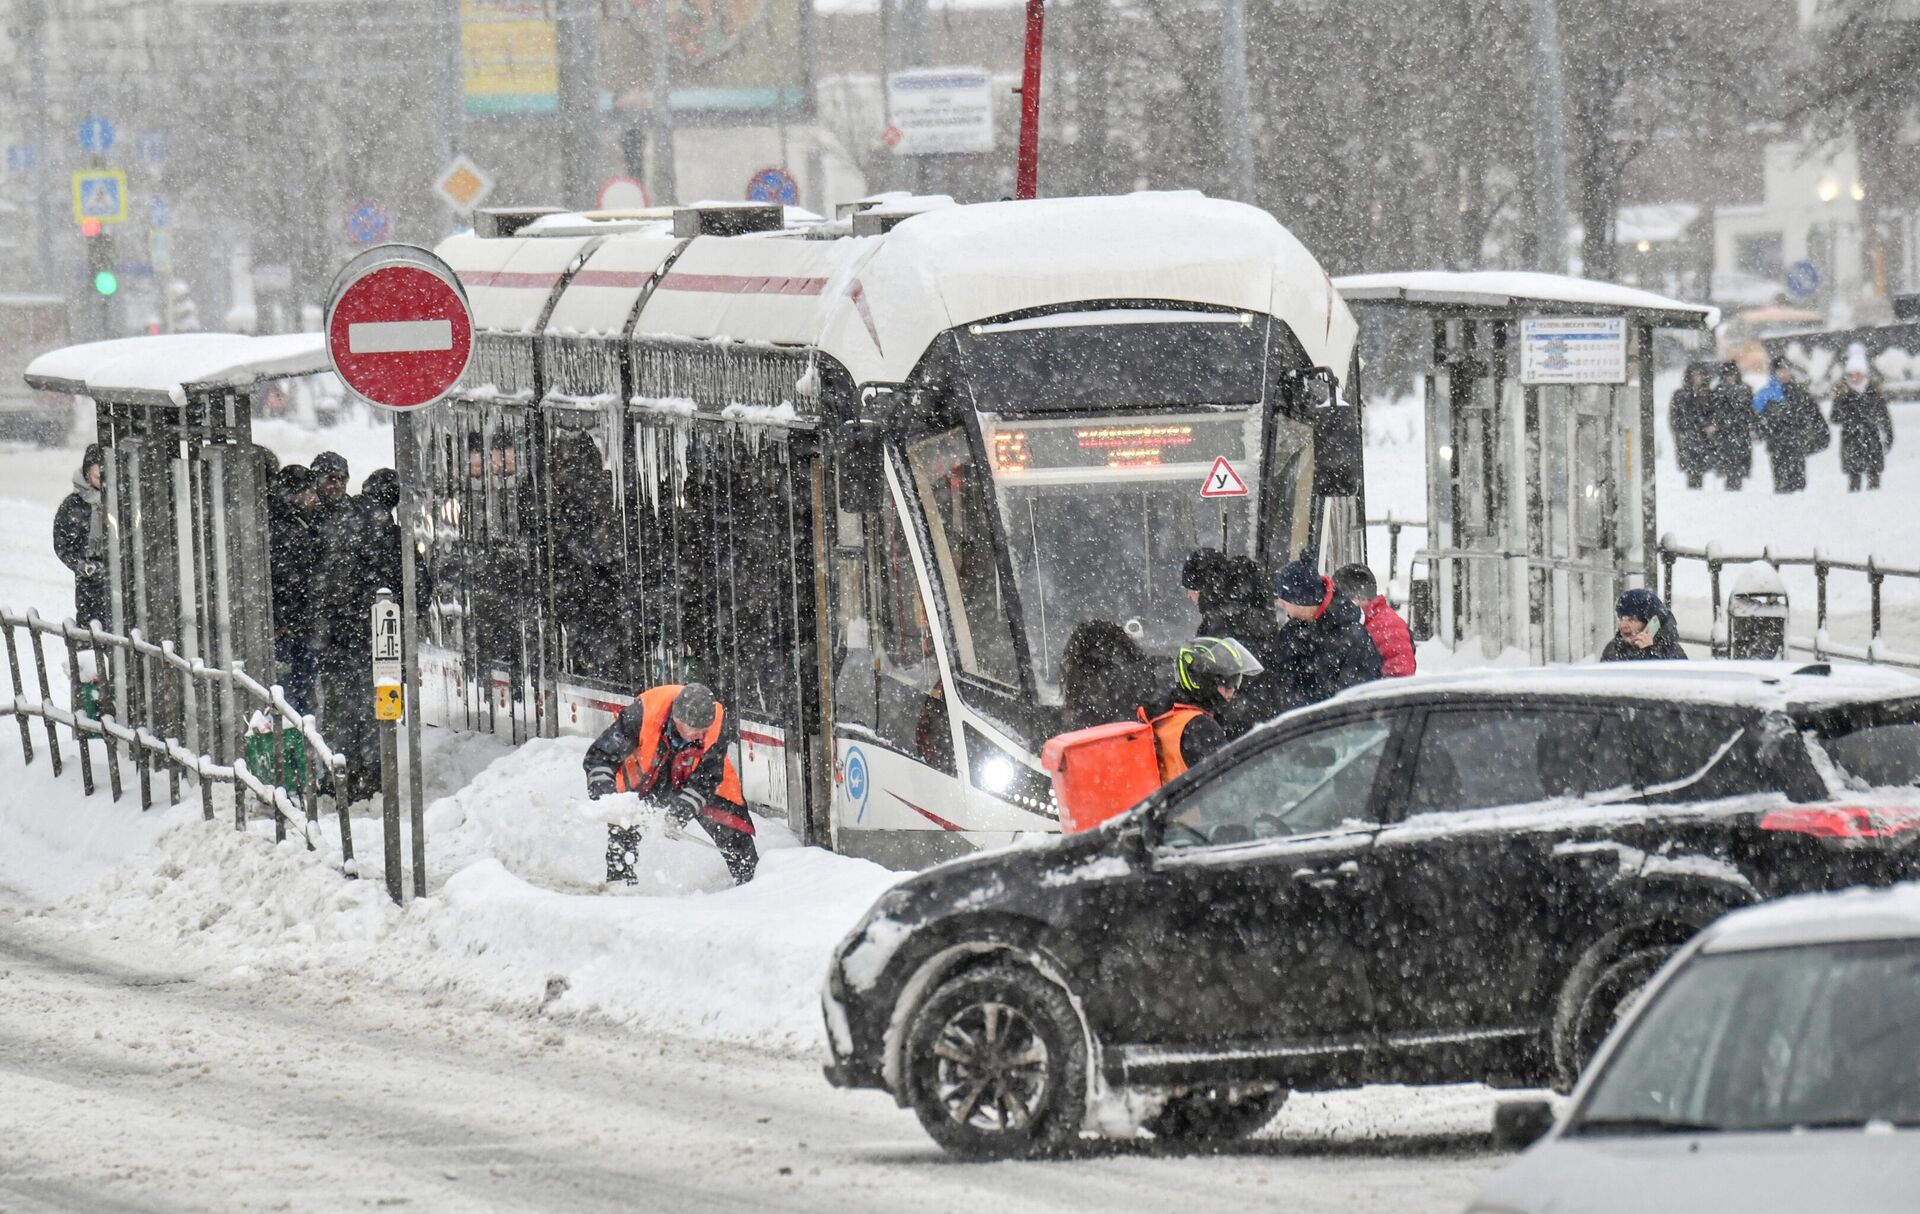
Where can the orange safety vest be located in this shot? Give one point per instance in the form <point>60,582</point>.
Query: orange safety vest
<point>638,773</point>
<point>1168,728</point>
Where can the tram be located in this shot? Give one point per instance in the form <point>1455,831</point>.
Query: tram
<point>865,477</point>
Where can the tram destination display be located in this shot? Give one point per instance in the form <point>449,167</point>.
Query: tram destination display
<point>1141,442</point>
<point>1573,350</point>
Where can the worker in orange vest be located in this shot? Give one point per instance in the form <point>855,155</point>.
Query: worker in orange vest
<point>1207,675</point>
<point>671,746</point>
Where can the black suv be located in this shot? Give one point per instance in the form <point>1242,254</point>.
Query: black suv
<point>1439,879</point>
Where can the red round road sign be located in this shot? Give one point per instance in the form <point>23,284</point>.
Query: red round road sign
<point>400,335</point>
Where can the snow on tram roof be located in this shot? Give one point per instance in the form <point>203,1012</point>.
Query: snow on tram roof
<point>136,368</point>
<point>1504,288</point>
<point>1752,683</point>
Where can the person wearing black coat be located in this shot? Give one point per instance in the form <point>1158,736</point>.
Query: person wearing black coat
<point>1730,434</point>
<point>293,560</point>
<point>360,555</point>
<point>79,529</point>
<point>1104,676</point>
<point>1866,426</point>
<point>1794,428</point>
<point>1647,630</point>
<point>1691,415</point>
<point>1324,647</point>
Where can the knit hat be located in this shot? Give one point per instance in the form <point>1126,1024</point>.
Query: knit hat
<point>1857,359</point>
<point>1202,569</point>
<point>329,462</point>
<point>694,706</point>
<point>92,458</point>
<point>1639,604</point>
<point>1300,583</point>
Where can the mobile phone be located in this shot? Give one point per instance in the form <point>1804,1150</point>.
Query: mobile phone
<point>1653,628</point>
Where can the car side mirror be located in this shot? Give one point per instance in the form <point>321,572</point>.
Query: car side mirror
<point>1518,1124</point>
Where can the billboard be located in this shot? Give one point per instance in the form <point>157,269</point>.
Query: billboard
<point>731,60</point>
<point>508,57</point>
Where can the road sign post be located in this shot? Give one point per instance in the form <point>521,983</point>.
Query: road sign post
<point>385,625</point>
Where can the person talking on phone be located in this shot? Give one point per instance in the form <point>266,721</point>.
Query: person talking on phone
<point>1647,630</point>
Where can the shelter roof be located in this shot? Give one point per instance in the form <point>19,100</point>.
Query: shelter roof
<point>159,369</point>
<point>1523,291</point>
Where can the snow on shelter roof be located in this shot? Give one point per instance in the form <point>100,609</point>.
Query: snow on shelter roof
<point>1525,290</point>
<point>159,369</point>
<point>1751,684</point>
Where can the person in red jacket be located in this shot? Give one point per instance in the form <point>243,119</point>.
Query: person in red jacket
<point>1389,632</point>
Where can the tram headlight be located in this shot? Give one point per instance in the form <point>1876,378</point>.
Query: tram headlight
<point>996,774</point>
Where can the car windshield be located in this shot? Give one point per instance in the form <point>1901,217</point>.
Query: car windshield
<point>1101,514</point>
<point>1805,1037</point>
<point>1872,745</point>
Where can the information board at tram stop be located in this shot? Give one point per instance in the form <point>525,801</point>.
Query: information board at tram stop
<point>1573,350</point>
<point>398,327</point>
<point>938,111</point>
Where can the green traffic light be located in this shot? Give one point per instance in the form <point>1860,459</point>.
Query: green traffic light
<point>106,282</point>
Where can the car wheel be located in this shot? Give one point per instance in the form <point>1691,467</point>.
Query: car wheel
<point>1213,1115</point>
<point>1598,994</point>
<point>997,1065</point>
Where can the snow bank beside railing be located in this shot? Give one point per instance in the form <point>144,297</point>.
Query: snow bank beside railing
<point>519,921</point>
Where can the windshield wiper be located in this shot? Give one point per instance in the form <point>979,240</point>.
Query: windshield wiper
<point>1639,1125</point>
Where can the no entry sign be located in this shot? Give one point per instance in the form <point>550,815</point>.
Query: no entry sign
<point>398,328</point>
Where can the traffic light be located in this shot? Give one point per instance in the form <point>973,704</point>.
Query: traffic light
<point>100,260</point>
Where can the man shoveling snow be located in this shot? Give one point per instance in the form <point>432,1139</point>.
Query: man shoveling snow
<point>670,746</point>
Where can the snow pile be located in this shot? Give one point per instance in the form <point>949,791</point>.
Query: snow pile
<point>523,918</point>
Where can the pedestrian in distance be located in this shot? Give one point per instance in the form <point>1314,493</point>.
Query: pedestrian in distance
<point>1791,421</point>
<point>670,746</point>
<point>1389,631</point>
<point>79,540</point>
<point>1691,415</point>
<point>1323,647</point>
<point>293,562</point>
<point>1647,631</point>
<point>1866,427</point>
<point>360,555</point>
<point>1200,575</point>
<point>1186,722</point>
<point>1731,431</point>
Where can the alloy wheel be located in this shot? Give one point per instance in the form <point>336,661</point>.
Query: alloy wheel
<point>992,1069</point>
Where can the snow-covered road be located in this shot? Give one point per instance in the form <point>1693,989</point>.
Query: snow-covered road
<point>130,1085</point>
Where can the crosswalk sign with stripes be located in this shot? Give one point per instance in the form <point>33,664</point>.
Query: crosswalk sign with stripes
<point>100,194</point>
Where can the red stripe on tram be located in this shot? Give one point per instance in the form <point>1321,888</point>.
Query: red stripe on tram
<point>508,278</point>
<point>743,284</point>
<point>929,815</point>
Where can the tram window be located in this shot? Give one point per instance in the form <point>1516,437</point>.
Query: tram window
<point>911,708</point>
<point>1287,497</point>
<point>952,489</point>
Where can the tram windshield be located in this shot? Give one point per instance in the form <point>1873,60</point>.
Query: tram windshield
<point>1100,514</point>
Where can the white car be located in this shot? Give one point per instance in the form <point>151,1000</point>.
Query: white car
<point>1773,1065</point>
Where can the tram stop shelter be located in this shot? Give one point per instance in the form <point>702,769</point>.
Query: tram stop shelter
<point>1540,451</point>
<point>184,497</point>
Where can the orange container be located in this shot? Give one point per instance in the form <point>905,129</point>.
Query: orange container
<point>1100,772</point>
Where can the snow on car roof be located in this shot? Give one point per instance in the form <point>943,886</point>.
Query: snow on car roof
<point>1752,684</point>
<point>156,368</point>
<point>1855,914</point>
<point>1505,288</point>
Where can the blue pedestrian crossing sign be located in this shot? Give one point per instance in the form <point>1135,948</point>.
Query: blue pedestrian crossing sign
<point>100,194</point>
<point>96,136</point>
<point>20,157</point>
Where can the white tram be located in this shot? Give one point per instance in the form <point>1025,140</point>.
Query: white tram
<point>866,477</point>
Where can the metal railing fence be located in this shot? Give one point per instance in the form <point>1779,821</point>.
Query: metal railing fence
<point>176,715</point>
<point>1820,644</point>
